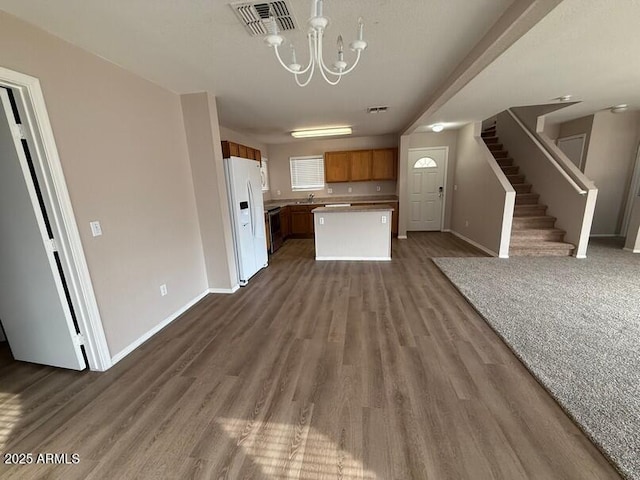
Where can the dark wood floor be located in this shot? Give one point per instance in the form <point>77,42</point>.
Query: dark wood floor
<point>339,370</point>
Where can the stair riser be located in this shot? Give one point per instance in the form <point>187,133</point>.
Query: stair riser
<point>491,132</point>
<point>510,170</point>
<point>490,140</point>
<point>522,188</point>
<point>500,154</point>
<point>524,252</point>
<point>505,162</point>
<point>513,179</point>
<point>520,223</point>
<point>494,146</point>
<point>526,200</point>
<point>537,211</point>
<point>537,235</point>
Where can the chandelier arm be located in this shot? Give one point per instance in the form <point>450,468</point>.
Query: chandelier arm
<point>323,68</point>
<point>350,69</point>
<point>285,66</point>
<point>306,82</point>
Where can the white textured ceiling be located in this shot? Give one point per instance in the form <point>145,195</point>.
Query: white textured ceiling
<point>197,45</point>
<point>585,48</point>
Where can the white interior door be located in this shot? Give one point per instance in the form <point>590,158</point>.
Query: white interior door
<point>426,173</point>
<point>573,147</point>
<point>34,312</point>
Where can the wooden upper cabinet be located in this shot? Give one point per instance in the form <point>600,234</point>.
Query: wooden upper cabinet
<point>336,166</point>
<point>231,149</point>
<point>360,165</point>
<point>384,164</point>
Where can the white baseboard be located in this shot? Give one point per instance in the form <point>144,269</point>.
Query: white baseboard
<point>224,290</point>
<point>136,343</point>
<point>402,237</point>
<point>632,250</point>
<point>356,259</point>
<point>603,235</point>
<point>475,244</point>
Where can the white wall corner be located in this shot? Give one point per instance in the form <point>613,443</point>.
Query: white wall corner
<point>233,289</point>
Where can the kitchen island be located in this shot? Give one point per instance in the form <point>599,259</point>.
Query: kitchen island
<point>357,232</point>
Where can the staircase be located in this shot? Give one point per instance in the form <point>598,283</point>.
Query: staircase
<point>533,233</point>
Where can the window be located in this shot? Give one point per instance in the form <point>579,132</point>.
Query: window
<point>425,162</point>
<point>264,174</point>
<point>307,173</point>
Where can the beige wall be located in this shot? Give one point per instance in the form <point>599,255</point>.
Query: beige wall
<point>122,146</point>
<point>280,177</point>
<point>483,201</point>
<point>201,126</point>
<point>447,138</point>
<point>609,163</point>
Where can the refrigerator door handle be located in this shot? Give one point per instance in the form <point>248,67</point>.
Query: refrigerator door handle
<point>251,209</point>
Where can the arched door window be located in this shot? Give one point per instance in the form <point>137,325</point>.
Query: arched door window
<point>425,162</point>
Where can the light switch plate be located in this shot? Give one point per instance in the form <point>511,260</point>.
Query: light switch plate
<point>96,229</point>
<point>329,190</point>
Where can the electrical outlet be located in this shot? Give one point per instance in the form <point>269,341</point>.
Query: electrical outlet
<point>278,192</point>
<point>329,190</point>
<point>378,188</point>
<point>384,219</point>
<point>466,223</point>
<point>321,220</point>
<point>349,189</point>
<point>96,229</point>
<point>455,187</point>
<point>163,289</point>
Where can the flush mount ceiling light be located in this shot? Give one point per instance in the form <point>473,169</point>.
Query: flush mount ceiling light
<point>623,107</point>
<point>317,25</point>
<point>565,98</point>
<point>321,132</point>
<point>438,127</point>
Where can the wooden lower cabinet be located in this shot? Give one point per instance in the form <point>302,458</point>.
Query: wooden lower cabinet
<point>302,220</point>
<point>285,222</point>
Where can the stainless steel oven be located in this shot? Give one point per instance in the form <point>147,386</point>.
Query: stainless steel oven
<point>275,231</point>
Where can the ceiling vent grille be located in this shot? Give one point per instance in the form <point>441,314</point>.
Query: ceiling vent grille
<point>256,16</point>
<point>380,109</point>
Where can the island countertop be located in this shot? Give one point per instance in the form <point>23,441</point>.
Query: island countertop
<point>354,208</point>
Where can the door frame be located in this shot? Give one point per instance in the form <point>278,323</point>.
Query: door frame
<point>444,179</point>
<point>634,191</point>
<point>30,99</point>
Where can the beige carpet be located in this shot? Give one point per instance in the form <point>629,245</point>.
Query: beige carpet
<point>576,325</point>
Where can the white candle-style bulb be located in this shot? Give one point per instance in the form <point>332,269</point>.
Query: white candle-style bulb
<point>293,54</point>
<point>340,48</point>
<point>360,28</point>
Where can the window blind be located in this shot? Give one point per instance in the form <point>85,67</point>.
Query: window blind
<point>307,173</point>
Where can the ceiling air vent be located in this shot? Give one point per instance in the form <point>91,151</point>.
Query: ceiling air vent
<point>377,109</point>
<point>255,16</point>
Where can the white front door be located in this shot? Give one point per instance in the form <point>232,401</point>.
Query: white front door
<point>426,173</point>
<point>34,311</point>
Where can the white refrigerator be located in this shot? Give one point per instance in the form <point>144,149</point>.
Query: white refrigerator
<point>244,188</point>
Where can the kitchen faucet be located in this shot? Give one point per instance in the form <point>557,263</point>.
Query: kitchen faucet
<point>310,198</point>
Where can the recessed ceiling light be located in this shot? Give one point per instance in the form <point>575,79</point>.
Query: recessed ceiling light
<point>321,132</point>
<point>438,127</point>
<point>623,107</point>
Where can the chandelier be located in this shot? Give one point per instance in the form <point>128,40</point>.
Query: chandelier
<point>317,25</point>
